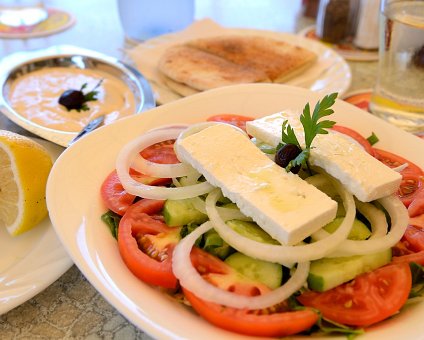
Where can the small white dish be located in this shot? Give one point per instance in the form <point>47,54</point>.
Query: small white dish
<point>32,261</point>
<point>73,197</point>
<point>20,63</point>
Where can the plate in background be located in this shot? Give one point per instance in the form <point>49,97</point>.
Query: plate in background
<point>330,73</point>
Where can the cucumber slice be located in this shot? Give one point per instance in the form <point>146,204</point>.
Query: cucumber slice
<point>182,212</point>
<point>268,273</point>
<point>251,230</point>
<point>328,273</point>
<point>359,230</point>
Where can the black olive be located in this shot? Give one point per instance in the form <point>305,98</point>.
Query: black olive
<point>72,99</point>
<point>287,153</point>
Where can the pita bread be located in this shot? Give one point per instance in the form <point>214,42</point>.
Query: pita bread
<point>278,59</point>
<point>178,88</point>
<point>203,71</point>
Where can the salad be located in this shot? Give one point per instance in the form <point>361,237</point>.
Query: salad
<point>177,231</point>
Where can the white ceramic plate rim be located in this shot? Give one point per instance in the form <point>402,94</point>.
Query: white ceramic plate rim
<point>40,260</point>
<point>75,205</point>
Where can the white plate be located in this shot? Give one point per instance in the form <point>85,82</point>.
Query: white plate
<point>330,73</point>
<point>32,261</point>
<point>75,205</point>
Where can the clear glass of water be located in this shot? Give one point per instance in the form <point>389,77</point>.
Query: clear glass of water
<point>16,13</point>
<point>398,95</point>
<point>144,19</point>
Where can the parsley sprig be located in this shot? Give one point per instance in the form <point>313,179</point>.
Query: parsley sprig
<point>89,96</point>
<point>312,127</point>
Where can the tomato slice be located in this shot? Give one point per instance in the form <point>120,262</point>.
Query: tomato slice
<point>113,193</point>
<point>146,243</point>
<point>414,257</point>
<point>412,175</point>
<point>115,196</point>
<point>236,120</point>
<point>414,238</point>
<point>270,322</point>
<point>162,153</point>
<point>368,299</point>
<point>356,136</point>
<point>416,207</point>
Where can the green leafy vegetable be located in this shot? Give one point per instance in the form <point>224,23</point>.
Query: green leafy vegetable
<point>312,127</point>
<point>112,221</point>
<point>417,272</point>
<point>373,139</point>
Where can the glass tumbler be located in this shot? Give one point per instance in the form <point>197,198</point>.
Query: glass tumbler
<point>144,19</point>
<point>398,96</point>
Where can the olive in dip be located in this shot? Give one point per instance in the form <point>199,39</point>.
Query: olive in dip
<point>35,96</point>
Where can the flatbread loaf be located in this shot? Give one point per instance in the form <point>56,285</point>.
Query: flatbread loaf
<point>203,71</point>
<point>207,63</point>
<point>278,59</point>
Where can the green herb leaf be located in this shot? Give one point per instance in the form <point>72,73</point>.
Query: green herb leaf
<point>311,124</point>
<point>312,127</point>
<point>373,139</point>
<point>288,136</point>
<point>112,221</point>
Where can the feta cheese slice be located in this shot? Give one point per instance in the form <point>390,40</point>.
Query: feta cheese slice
<point>339,155</point>
<point>283,204</point>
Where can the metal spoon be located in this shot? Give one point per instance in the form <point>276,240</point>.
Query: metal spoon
<point>92,125</point>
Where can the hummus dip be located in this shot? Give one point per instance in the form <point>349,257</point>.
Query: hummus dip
<point>35,96</point>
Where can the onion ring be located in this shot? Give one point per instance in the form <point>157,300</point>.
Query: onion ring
<point>281,253</point>
<point>190,279</point>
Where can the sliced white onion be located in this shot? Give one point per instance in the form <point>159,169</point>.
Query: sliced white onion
<point>124,161</point>
<point>281,253</point>
<point>400,167</point>
<point>190,279</point>
<point>132,150</point>
<point>399,221</point>
<point>375,216</point>
<point>225,213</point>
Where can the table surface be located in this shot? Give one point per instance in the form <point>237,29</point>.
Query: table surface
<point>71,307</point>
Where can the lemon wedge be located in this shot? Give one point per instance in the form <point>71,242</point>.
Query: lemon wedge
<point>24,168</point>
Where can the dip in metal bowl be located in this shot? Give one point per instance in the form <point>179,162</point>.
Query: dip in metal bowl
<point>23,63</point>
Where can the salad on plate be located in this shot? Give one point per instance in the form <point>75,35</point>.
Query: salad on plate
<point>280,225</point>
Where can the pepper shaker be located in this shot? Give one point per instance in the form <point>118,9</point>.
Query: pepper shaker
<point>336,20</point>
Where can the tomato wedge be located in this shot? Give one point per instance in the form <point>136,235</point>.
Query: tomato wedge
<point>146,243</point>
<point>368,299</point>
<point>115,196</point>
<point>356,136</point>
<point>162,153</point>
<point>236,120</point>
<point>270,322</point>
<point>414,257</point>
<point>113,193</point>
<point>412,175</point>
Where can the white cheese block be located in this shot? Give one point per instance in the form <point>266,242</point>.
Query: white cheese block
<point>283,204</point>
<point>339,155</point>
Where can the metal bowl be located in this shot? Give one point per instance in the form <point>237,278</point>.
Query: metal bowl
<point>18,64</point>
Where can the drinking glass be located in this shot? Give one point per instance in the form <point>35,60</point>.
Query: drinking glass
<point>398,95</point>
<point>16,13</point>
<point>144,19</point>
